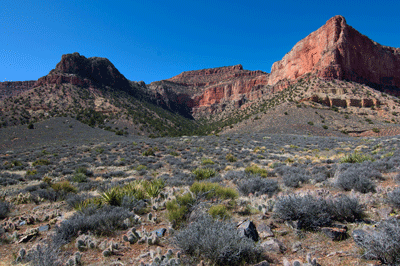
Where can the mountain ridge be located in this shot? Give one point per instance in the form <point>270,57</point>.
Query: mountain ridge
<point>221,96</point>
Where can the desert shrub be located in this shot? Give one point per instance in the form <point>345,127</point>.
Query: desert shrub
<point>219,211</point>
<point>355,178</point>
<point>179,209</point>
<point>47,194</point>
<point>148,152</point>
<point>100,221</point>
<point>235,176</point>
<point>74,200</point>
<point>204,173</point>
<point>64,186</point>
<point>320,173</point>
<point>79,178</point>
<point>44,255</point>
<point>256,170</point>
<point>344,208</point>
<point>180,179</point>
<point>117,174</point>
<point>41,162</point>
<point>4,209</point>
<point>356,157</point>
<point>310,212</point>
<point>394,198</point>
<point>218,242</point>
<point>213,190</point>
<point>231,158</point>
<point>293,176</point>
<point>207,161</point>
<point>314,212</point>
<point>9,179</point>
<point>383,243</point>
<point>258,184</point>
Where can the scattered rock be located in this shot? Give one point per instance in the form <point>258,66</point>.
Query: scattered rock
<point>264,231</point>
<point>334,233</point>
<point>296,246</point>
<point>248,229</point>
<point>273,245</point>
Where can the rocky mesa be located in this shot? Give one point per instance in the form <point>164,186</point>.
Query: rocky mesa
<point>207,91</point>
<point>338,51</point>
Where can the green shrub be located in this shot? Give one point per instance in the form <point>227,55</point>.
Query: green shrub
<point>174,153</point>
<point>230,158</point>
<point>256,170</point>
<point>213,190</point>
<point>376,130</point>
<point>148,152</point>
<point>219,211</point>
<point>41,162</point>
<point>179,209</point>
<point>206,161</point>
<point>31,172</point>
<point>64,186</point>
<point>141,167</point>
<point>79,178</point>
<point>204,173</point>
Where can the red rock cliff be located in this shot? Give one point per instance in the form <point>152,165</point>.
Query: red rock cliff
<point>204,90</point>
<point>338,51</point>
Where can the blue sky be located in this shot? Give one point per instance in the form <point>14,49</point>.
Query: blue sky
<point>154,40</point>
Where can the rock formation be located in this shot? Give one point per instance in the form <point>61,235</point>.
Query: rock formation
<point>205,91</point>
<point>82,71</point>
<point>337,51</point>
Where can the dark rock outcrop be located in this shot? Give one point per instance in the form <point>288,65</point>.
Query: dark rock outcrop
<point>79,70</point>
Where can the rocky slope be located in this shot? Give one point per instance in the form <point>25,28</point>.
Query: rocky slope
<point>338,51</point>
<point>93,91</point>
<point>12,88</point>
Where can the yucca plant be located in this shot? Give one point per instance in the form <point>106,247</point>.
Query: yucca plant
<point>154,188</point>
<point>113,196</point>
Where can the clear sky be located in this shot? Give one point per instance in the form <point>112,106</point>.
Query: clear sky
<point>153,40</point>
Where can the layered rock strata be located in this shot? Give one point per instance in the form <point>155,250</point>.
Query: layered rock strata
<point>337,51</point>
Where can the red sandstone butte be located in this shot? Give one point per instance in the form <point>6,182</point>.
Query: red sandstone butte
<point>337,51</point>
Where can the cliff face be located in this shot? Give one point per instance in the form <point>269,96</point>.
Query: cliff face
<point>205,91</point>
<point>82,71</point>
<point>337,51</point>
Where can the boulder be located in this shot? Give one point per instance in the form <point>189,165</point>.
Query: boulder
<point>273,245</point>
<point>248,229</point>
